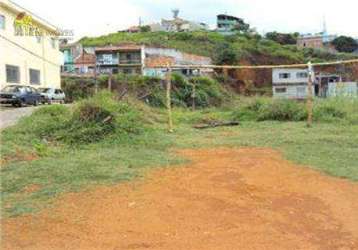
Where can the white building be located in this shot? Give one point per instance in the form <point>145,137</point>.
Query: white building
<point>290,83</point>
<point>29,50</point>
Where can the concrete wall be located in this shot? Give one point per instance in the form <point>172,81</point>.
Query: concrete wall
<point>344,89</point>
<point>291,91</point>
<point>294,77</point>
<point>27,53</point>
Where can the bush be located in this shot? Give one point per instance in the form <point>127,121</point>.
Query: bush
<point>95,118</point>
<point>282,110</point>
<point>208,92</point>
<point>326,110</point>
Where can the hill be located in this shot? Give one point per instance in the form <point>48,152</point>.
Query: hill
<point>235,49</point>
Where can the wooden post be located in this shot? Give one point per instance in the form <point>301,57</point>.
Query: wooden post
<point>169,104</point>
<point>193,96</point>
<point>310,95</point>
<point>226,74</point>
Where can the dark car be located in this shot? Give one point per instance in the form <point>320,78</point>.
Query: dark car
<point>19,95</point>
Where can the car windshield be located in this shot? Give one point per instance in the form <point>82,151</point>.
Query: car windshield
<point>11,89</point>
<point>44,90</point>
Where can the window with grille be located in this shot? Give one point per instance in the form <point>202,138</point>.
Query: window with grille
<point>2,22</point>
<point>34,76</point>
<point>12,74</point>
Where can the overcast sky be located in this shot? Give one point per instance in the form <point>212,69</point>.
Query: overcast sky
<point>91,18</point>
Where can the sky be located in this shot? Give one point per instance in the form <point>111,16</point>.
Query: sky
<point>93,18</point>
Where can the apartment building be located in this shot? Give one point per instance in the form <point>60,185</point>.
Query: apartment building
<point>28,47</point>
<point>147,61</point>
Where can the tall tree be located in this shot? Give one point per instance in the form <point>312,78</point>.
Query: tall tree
<point>345,44</point>
<point>282,38</point>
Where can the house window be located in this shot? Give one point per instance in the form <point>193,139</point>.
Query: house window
<point>34,76</point>
<point>280,90</point>
<point>53,43</point>
<point>38,39</point>
<point>2,22</point>
<point>12,74</point>
<point>284,75</point>
<point>302,75</point>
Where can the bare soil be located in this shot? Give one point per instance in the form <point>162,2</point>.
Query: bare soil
<point>224,199</point>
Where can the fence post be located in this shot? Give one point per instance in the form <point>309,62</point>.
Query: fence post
<point>110,82</point>
<point>310,95</point>
<point>169,104</point>
<point>193,96</point>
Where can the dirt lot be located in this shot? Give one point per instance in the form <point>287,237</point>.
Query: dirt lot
<point>224,199</point>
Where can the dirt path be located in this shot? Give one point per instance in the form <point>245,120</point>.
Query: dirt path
<point>224,199</point>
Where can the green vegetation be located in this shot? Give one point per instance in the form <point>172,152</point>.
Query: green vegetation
<point>268,109</point>
<point>345,44</point>
<point>60,149</point>
<point>240,48</point>
<point>208,92</point>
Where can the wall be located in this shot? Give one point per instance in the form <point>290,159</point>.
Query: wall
<point>25,52</point>
<point>293,76</point>
<point>292,91</point>
<point>342,89</point>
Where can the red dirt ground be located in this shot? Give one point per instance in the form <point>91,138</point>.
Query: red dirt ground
<point>224,199</point>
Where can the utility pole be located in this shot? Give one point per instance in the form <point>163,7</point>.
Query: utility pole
<point>169,103</point>
<point>310,95</point>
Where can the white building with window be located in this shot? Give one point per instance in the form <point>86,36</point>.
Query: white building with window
<point>291,83</point>
<point>29,49</point>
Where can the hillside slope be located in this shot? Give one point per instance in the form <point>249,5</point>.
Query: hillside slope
<point>239,48</point>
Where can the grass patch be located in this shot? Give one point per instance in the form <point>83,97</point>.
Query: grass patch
<point>138,140</point>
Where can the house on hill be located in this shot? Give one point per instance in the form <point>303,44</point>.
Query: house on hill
<point>178,24</point>
<point>77,59</point>
<point>146,60</point>
<point>293,84</point>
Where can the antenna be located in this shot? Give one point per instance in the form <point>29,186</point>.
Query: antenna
<point>175,13</point>
<point>140,21</point>
<point>324,25</point>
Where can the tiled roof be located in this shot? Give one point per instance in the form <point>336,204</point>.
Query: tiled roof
<point>86,58</point>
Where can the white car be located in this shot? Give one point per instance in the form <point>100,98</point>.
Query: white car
<point>50,95</point>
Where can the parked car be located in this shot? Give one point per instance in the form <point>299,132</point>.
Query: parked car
<point>19,95</point>
<point>50,95</point>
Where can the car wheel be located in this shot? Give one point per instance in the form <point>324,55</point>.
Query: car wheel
<point>20,104</point>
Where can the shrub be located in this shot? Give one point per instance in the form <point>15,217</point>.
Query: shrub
<point>282,110</point>
<point>99,116</point>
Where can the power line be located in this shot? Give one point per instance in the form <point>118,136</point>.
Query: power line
<point>302,65</point>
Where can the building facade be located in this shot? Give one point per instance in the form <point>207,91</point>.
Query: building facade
<point>226,24</point>
<point>77,59</point>
<point>29,48</point>
<point>290,83</point>
<point>147,61</point>
<point>317,41</point>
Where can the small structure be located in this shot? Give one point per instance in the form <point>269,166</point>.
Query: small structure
<point>178,24</point>
<point>290,83</point>
<point>226,24</point>
<point>77,59</point>
<point>342,89</point>
<point>293,84</point>
<point>148,61</point>
<point>320,40</point>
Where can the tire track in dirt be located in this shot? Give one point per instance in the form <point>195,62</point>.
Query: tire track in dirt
<point>225,199</point>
